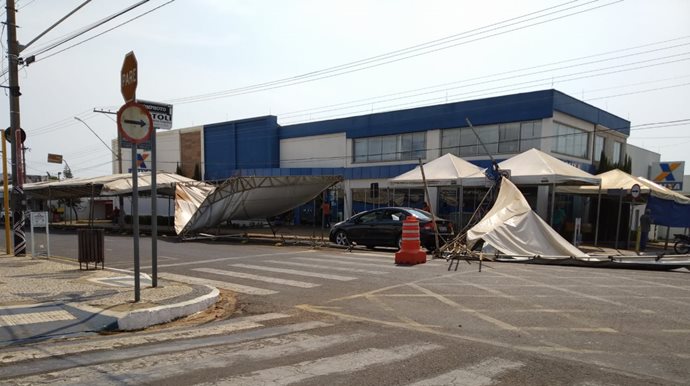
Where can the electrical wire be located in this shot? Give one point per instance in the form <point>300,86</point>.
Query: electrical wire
<point>106,31</point>
<point>357,66</point>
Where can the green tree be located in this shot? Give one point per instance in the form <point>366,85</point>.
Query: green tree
<point>605,165</point>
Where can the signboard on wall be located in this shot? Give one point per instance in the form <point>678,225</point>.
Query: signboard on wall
<point>143,162</point>
<point>668,174</point>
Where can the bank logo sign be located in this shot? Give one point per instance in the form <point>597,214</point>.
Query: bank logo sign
<point>669,174</point>
<point>141,162</point>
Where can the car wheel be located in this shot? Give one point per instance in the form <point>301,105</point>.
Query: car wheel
<point>341,239</point>
<point>399,243</point>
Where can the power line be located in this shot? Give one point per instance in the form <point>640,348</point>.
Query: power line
<point>443,86</point>
<point>106,31</point>
<point>355,66</point>
<point>84,30</point>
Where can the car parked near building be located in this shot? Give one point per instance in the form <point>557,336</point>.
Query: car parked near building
<point>383,227</point>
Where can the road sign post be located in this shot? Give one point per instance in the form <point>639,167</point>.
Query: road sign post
<point>161,115</point>
<point>135,124</point>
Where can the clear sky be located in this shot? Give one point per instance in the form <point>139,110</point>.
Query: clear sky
<point>325,59</point>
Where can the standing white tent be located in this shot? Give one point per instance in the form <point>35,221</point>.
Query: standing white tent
<point>535,167</point>
<point>445,170</point>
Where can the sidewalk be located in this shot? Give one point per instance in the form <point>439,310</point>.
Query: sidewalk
<point>101,297</point>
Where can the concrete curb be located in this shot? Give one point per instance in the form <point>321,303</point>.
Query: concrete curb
<point>137,320</point>
<point>162,314</point>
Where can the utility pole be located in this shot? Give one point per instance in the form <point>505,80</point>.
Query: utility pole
<point>15,128</point>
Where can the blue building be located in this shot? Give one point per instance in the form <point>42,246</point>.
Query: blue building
<point>367,150</point>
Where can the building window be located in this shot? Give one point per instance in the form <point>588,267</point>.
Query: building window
<point>571,141</point>
<point>598,147</point>
<point>509,138</point>
<point>408,146</point>
<point>530,135</point>
<point>617,152</point>
<point>506,138</point>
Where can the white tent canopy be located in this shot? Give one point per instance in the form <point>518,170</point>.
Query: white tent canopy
<point>445,170</point>
<point>535,167</point>
<point>617,179</point>
<point>514,229</point>
<point>110,185</point>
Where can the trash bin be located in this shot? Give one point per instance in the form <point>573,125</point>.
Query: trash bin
<point>91,247</point>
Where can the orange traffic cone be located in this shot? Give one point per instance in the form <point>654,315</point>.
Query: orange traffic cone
<point>410,250</point>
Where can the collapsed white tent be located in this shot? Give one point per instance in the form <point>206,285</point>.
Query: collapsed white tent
<point>514,229</point>
<point>243,198</point>
<point>445,170</point>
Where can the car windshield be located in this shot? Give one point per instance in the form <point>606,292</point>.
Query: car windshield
<point>420,214</point>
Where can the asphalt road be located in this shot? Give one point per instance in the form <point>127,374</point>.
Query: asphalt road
<point>337,317</point>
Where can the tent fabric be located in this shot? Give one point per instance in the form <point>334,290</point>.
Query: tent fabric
<point>447,169</point>
<point>514,229</point>
<point>244,198</point>
<point>111,185</point>
<point>667,207</point>
<point>617,179</point>
<point>534,167</point>
<point>668,212</point>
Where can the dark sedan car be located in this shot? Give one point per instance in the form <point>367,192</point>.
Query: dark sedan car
<point>383,227</point>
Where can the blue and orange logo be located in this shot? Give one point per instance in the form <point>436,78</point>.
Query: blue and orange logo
<point>667,171</point>
<point>141,159</point>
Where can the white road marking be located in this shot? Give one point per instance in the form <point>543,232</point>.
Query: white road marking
<point>168,365</point>
<point>309,265</point>
<point>267,279</point>
<point>239,324</point>
<point>35,317</point>
<point>348,263</point>
<point>344,363</point>
<point>478,375</point>
<point>296,272</point>
<point>218,284</point>
<point>200,262</point>
<point>383,259</point>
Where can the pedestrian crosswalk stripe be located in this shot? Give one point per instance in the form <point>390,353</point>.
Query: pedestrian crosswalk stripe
<point>296,272</point>
<point>219,284</point>
<point>478,375</point>
<point>35,317</point>
<point>267,279</point>
<point>342,269</point>
<point>339,261</point>
<point>384,259</point>
<point>345,363</point>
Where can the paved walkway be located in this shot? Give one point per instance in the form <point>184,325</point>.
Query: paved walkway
<point>44,298</point>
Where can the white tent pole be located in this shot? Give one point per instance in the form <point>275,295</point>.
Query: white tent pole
<point>596,226</point>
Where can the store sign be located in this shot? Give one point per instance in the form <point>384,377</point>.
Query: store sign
<point>142,162</point>
<point>668,174</point>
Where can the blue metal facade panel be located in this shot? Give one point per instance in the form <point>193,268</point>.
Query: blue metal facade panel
<point>579,109</point>
<point>245,144</point>
<point>367,172</point>
<point>510,108</point>
<point>219,159</point>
